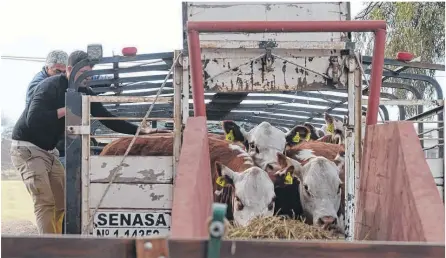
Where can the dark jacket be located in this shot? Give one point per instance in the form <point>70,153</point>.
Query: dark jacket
<point>39,124</point>
<point>40,76</point>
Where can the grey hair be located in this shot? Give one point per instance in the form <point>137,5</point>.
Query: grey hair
<point>56,57</point>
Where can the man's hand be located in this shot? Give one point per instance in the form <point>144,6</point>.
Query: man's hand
<point>60,112</point>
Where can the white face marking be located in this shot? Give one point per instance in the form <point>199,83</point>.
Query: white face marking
<point>265,141</point>
<point>319,188</point>
<point>242,153</point>
<point>254,192</point>
<point>305,155</point>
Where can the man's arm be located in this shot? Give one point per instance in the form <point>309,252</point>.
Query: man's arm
<point>120,126</point>
<point>40,114</point>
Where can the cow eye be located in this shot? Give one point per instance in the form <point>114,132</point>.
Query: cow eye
<point>271,204</point>
<point>306,189</point>
<point>252,145</point>
<point>238,204</point>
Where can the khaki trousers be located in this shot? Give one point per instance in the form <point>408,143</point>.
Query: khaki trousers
<point>44,178</point>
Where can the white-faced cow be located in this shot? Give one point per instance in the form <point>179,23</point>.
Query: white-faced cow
<point>320,177</point>
<point>319,171</point>
<point>245,188</point>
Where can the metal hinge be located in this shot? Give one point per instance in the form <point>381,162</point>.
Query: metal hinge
<point>78,129</point>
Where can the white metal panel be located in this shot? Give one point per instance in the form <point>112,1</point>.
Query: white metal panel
<point>131,223</point>
<point>437,167</point>
<point>136,169</point>
<point>292,69</point>
<point>132,196</point>
<point>276,11</point>
<point>350,162</point>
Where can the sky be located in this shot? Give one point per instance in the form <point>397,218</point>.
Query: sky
<point>45,25</point>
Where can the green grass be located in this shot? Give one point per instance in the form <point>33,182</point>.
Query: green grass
<point>16,202</point>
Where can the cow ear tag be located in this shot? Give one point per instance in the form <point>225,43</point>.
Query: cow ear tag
<point>221,181</point>
<point>307,138</point>
<point>288,178</point>
<point>330,128</point>
<point>230,136</point>
<point>296,138</point>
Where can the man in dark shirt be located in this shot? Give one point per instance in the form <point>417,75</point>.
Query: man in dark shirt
<point>35,136</point>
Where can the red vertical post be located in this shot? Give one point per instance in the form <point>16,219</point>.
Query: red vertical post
<point>196,73</point>
<point>376,77</point>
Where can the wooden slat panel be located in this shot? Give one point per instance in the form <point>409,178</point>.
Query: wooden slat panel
<point>151,248</point>
<point>136,196</point>
<point>135,170</point>
<point>193,183</point>
<point>83,246</point>
<point>398,199</point>
<point>65,246</point>
<point>306,249</point>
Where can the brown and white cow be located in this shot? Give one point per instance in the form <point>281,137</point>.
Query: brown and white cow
<point>321,177</point>
<point>314,163</point>
<point>245,188</point>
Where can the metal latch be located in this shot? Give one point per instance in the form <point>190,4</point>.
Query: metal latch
<point>78,129</point>
<point>216,230</point>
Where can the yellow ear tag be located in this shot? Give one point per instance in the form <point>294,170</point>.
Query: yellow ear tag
<point>330,128</point>
<point>296,138</point>
<point>307,138</point>
<point>221,181</point>
<point>288,179</point>
<point>230,136</point>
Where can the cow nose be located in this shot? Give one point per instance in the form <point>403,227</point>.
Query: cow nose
<point>327,221</point>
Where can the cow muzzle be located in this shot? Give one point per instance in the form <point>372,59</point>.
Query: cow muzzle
<point>327,222</point>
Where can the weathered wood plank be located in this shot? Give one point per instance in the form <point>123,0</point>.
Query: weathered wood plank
<point>193,183</point>
<point>136,196</point>
<point>66,246</point>
<point>84,246</point>
<point>135,169</point>
<point>398,199</point>
<point>152,248</point>
<point>306,249</point>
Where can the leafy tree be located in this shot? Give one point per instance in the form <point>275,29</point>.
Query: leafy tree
<point>415,27</point>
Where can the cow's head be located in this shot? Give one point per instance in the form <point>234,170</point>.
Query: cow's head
<point>253,194</point>
<point>263,142</point>
<point>285,174</point>
<point>314,133</point>
<point>332,124</point>
<point>320,190</point>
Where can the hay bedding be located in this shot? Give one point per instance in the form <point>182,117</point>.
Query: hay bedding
<point>278,227</point>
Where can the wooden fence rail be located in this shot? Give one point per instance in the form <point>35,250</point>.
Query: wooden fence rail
<point>83,246</point>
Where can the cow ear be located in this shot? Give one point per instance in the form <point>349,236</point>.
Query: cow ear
<point>285,176</point>
<point>339,160</point>
<point>233,132</point>
<point>297,135</point>
<point>282,160</point>
<point>225,175</point>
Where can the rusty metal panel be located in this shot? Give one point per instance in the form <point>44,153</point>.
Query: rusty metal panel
<point>278,11</point>
<point>136,170</point>
<point>247,70</point>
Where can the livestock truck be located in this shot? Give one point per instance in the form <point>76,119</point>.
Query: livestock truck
<point>285,63</point>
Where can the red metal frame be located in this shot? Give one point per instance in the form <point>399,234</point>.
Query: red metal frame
<point>378,27</point>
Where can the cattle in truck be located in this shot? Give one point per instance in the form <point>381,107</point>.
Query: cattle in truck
<point>317,165</point>
<point>247,189</point>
